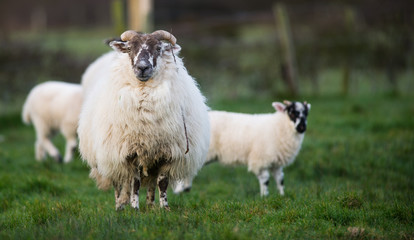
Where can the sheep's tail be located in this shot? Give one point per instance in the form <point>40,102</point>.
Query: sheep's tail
<point>102,182</point>
<point>26,113</point>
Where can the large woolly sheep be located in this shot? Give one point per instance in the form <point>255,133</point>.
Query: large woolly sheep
<point>144,122</point>
<point>53,106</point>
<point>263,142</point>
<point>95,71</point>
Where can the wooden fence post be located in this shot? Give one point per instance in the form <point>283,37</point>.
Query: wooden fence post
<point>140,15</point>
<point>288,65</point>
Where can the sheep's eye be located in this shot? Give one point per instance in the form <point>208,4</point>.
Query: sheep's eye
<point>158,49</point>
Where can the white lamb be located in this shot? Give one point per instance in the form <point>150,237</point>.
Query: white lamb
<point>145,122</point>
<point>53,106</point>
<point>263,142</point>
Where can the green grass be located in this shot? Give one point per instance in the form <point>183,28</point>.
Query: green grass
<point>353,179</point>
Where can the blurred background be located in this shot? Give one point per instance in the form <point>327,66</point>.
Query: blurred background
<point>235,49</point>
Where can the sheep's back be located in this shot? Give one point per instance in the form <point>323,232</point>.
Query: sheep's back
<point>54,102</point>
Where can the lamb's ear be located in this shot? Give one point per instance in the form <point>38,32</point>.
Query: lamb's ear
<point>176,48</point>
<point>120,46</point>
<point>307,105</point>
<point>279,106</point>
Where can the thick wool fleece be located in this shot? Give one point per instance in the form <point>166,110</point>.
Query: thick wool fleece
<point>122,117</point>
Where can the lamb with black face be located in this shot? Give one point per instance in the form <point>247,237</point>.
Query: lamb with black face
<point>298,112</point>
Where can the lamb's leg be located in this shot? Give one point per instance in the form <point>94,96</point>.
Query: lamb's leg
<point>135,185</point>
<point>151,194</point>
<point>43,143</point>
<point>40,150</point>
<point>41,134</point>
<point>52,150</point>
<point>162,182</point>
<point>263,177</point>
<point>69,149</point>
<point>278,176</point>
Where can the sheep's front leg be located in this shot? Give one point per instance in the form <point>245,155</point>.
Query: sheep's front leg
<point>135,185</point>
<point>162,182</point>
<point>278,176</point>
<point>263,177</point>
<point>121,194</point>
<point>117,188</point>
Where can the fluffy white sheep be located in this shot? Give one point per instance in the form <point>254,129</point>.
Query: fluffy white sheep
<point>144,122</point>
<point>262,142</point>
<point>53,106</point>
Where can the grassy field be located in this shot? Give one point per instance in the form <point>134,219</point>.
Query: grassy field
<point>352,179</point>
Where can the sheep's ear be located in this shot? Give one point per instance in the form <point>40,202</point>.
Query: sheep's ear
<point>279,106</point>
<point>176,48</point>
<point>308,106</point>
<point>120,46</point>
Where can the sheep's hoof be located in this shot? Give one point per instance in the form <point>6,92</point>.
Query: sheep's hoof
<point>167,208</point>
<point>151,205</point>
<point>119,207</point>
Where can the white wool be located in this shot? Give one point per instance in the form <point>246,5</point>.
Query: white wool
<point>96,71</point>
<point>53,106</point>
<point>121,115</point>
<point>258,141</point>
<point>262,142</point>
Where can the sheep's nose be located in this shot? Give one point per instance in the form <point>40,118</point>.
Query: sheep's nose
<point>301,128</point>
<point>143,67</point>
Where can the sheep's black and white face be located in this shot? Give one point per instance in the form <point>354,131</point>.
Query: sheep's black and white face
<point>145,53</point>
<point>297,112</point>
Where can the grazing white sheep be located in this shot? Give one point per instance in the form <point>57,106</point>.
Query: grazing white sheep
<point>144,122</point>
<point>53,106</point>
<point>263,142</point>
